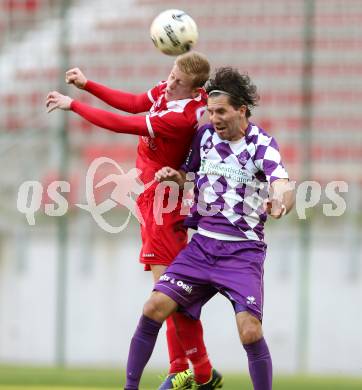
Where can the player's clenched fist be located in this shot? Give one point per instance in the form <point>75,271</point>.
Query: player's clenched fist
<point>167,173</point>
<point>274,208</point>
<point>57,100</point>
<point>75,76</point>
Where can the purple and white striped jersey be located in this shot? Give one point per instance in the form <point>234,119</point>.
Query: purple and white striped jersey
<point>231,182</point>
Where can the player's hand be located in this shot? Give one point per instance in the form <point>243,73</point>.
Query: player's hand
<point>57,100</point>
<point>167,173</point>
<point>274,208</point>
<point>281,198</point>
<point>204,118</point>
<point>75,76</point>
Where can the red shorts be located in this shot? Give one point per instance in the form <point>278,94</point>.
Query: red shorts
<point>161,242</point>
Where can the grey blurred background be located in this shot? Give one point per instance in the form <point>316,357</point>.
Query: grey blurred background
<point>71,293</point>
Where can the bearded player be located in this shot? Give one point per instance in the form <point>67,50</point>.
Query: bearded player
<point>174,107</point>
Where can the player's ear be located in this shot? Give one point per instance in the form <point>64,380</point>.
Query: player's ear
<point>242,110</point>
<point>195,92</point>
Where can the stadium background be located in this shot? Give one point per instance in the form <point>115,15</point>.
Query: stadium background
<point>70,293</point>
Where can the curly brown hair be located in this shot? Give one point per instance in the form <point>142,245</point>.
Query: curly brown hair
<point>238,87</point>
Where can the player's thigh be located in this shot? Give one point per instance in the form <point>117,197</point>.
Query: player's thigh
<point>249,327</point>
<point>157,271</point>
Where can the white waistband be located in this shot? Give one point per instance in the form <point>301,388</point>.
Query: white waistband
<point>219,236</point>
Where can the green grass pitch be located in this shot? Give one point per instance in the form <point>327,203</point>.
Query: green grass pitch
<point>28,378</point>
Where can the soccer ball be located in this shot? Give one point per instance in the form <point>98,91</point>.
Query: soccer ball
<point>173,32</point>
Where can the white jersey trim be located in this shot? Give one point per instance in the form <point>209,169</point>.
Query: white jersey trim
<point>149,94</point>
<point>149,127</point>
<point>200,112</point>
<point>219,236</point>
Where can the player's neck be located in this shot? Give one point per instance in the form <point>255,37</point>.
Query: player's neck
<point>241,134</point>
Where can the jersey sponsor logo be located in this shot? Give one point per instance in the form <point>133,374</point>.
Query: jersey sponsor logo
<point>150,142</point>
<point>229,171</point>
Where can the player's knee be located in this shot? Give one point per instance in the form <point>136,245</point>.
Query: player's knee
<point>250,333</point>
<point>151,308</point>
<point>154,309</point>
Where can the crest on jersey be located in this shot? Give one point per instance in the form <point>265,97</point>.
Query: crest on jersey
<point>208,146</point>
<point>243,157</point>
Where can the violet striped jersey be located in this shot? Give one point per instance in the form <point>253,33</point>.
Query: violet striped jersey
<point>232,181</point>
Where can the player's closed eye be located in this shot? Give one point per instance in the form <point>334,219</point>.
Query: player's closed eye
<point>212,112</point>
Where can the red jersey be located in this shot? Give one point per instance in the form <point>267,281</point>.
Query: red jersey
<point>171,126</point>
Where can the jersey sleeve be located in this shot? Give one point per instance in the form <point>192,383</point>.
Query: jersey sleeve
<point>193,159</point>
<point>121,100</point>
<point>108,120</point>
<point>268,159</point>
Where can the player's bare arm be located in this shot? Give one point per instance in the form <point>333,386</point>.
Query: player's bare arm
<point>76,77</point>
<point>282,198</point>
<point>170,174</point>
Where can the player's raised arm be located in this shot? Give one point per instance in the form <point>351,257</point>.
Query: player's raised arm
<point>125,101</point>
<point>118,123</point>
<point>76,77</point>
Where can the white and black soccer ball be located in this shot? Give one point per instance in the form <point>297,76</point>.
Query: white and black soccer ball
<point>174,32</point>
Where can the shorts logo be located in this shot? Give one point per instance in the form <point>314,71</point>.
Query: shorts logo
<point>190,351</point>
<point>148,255</point>
<point>250,300</point>
<point>178,283</point>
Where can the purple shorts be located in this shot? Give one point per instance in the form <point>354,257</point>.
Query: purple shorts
<point>207,266</point>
